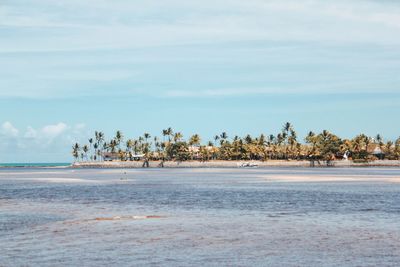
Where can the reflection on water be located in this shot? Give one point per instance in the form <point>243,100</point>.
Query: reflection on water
<point>183,217</point>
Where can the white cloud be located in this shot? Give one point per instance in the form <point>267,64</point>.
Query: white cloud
<point>79,126</point>
<point>48,143</point>
<point>30,133</point>
<point>222,92</point>
<point>51,131</point>
<point>251,91</point>
<point>55,130</point>
<point>9,130</point>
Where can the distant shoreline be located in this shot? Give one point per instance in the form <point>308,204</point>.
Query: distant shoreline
<point>35,165</point>
<point>206,164</point>
<point>234,164</point>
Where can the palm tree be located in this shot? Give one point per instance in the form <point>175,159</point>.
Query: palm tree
<point>146,136</point>
<point>285,130</point>
<point>378,138</point>
<point>105,146</point>
<point>156,143</point>
<point>346,146</point>
<point>140,142</point>
<point>118,138</point>
<point>367,141</point>
<point>224,136</point>
<point>90,147</point>
<point>311,139</point>
<point>136,146</point>
<point>85,150</point>
<point>146,145</point>
<point>194,140</point>
<point>164,145</point>
<point>262,140</point>
<point>169,132</point>
<point>157,147</point>
<point>248,139</point>
<point>113,145</point>
<point>75,151</point>
<point>271,139</point>
<point>177,137</point>
<point>292,140</point>
<point>164,133</point>
<point>129,146</point>
<point>279,141</point>
<point>328,144</point>
<point>389,149</point>
<point>357,144</point>
<point>95,147</point>
<point>121,154</point>
<point>216,139</point>
<point>99,136</point>
<point>237,150</point>
<point>288,136</point>
<point>397,148</point>
<point>360,146</point>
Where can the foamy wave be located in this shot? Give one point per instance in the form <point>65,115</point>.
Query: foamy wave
<point>116,218</point>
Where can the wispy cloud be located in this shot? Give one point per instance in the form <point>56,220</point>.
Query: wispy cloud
<point>69,25</point>
<point>254,92</point>
<point>51,131</point>
<point>9,130</point>
<point>68,32</point>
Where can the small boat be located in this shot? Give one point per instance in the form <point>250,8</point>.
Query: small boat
<point>248,165</point>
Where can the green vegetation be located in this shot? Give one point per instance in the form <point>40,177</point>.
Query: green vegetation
<point>283,146</point>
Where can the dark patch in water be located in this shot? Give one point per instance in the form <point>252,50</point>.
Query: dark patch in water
<point>369,209</point>
<point>14,221</point>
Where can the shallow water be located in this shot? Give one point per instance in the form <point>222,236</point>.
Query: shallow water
<point>191,217</point>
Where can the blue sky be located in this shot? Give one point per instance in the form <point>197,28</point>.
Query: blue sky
<point>70,67</point>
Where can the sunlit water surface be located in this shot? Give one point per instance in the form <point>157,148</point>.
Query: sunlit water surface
<point>192,217</point>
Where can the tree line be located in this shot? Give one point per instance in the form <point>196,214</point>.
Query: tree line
<point>283,146</point>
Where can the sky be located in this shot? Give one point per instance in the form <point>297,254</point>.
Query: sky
<point>70,67</point>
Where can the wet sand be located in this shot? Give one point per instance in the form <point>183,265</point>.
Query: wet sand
<point>234,164</point>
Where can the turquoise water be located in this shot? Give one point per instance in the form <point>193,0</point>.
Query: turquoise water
<point>10,165</point>
<point>199,217</point>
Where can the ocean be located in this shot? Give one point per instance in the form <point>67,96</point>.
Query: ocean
<point>200,217</point>
<point>27,165</point>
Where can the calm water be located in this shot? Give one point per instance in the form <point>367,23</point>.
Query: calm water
<point>11,165</point>
<point>209,217</point>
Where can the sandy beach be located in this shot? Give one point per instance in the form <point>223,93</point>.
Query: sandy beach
<point>232,164</point>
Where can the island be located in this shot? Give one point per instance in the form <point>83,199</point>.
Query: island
<point>324,149</point>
